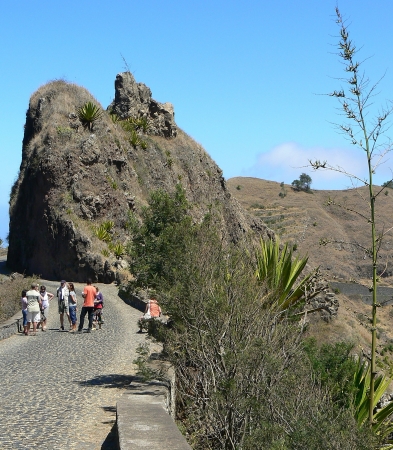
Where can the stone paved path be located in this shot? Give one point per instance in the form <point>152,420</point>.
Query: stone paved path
<point>59,389</point>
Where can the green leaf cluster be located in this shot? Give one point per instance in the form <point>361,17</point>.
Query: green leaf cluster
<point>118,249</point>
<point>158,245</point>
<point>303,183</point>
<point>281,273</point>
<point>381,423</point>
<point>102,233</point>
<point>335,367</point>
<point>133,126</point>
<point>88,114</point>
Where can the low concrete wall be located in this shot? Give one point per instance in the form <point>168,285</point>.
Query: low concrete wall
<point>11,326</point>
<point>144,416</point>
<point>133,300</point>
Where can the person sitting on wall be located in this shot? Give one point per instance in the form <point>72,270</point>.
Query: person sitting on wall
<point>152,311</point>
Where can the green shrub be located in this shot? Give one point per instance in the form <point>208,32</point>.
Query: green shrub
<point>158,245</point>
<point>102,233</point>
<point>112,182</point>
<point>114,118</point>
<point>335,368</point>
<point>243,376</point>
<point>108,225</point>
<point>64,133</point>
<point>257,206</point>
<point>88,114</point>
<point>134,138</point>
<point>118,249</point>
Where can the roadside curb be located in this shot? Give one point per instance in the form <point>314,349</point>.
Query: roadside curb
<point>11,326</point>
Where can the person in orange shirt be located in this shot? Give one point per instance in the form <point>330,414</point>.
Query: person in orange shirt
<point>89,294</point>
<point>152,311</point>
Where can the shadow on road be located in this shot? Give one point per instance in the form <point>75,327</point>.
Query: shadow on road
<point>109,381</point>
<point>110,442</point>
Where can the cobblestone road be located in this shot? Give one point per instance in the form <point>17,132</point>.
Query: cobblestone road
<point>59,389</point>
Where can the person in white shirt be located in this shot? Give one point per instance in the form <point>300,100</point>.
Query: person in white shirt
<point>62,297</point>
<point>46,297</point>
<point>33,307</point>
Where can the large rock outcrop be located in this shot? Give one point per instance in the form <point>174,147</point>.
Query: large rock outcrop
<point>73,179</point>
<point>134,99</point>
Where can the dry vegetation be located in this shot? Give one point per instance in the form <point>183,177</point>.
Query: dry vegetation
<point>303,219</point>
<point>10,294</point>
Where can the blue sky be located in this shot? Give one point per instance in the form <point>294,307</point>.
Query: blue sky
<point>244,76</point>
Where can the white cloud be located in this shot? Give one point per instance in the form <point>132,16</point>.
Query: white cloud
<point>287,161</point>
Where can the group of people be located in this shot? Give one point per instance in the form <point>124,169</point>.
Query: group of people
<point>35,307</point>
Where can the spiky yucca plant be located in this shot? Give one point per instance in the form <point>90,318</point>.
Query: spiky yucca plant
<point>88,114</point>
<point>281,273</point>
<point>114,118</point>
<point>118,249</point>
<point>108,225</point>
<point>381,422</point>
<point>134,138</point>
<point>102,233</point>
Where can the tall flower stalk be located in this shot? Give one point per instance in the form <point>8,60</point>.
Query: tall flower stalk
<point>364,134</point>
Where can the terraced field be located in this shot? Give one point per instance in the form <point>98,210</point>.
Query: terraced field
<point>305,220</point>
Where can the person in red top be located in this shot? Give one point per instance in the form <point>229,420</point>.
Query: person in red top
<point>89,294</point>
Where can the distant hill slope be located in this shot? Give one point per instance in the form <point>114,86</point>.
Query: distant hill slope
<point>303,219</point>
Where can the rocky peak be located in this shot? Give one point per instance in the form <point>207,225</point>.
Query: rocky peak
<point>134,99</point>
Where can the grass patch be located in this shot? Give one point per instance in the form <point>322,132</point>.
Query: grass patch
<point>10,294</point>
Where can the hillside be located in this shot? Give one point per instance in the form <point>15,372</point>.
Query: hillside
<point>304,220</point>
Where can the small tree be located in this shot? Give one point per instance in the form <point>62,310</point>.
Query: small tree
<point>283,192</point>
<point>160,243</point>
<point>388,184</point>
<point>303,183</point>
<point>364,134</point>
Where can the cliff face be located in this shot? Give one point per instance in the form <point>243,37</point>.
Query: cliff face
<point>72,179</point>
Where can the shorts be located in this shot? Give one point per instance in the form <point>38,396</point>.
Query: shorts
<point>24,314</point>
<point>33,316</point>
<point>73,314</point>
<point>63,308</point>
<point>45,311</point>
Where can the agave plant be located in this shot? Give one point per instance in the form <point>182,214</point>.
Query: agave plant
<point>281,273</point>
<point>102,233</point>
<point>108,225</point>
<point>114,118</point>
<point>143,124</point>
<point>88,114</point>
<point>134,138</point>
<point>118,249</point>
<point>381,423</point>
